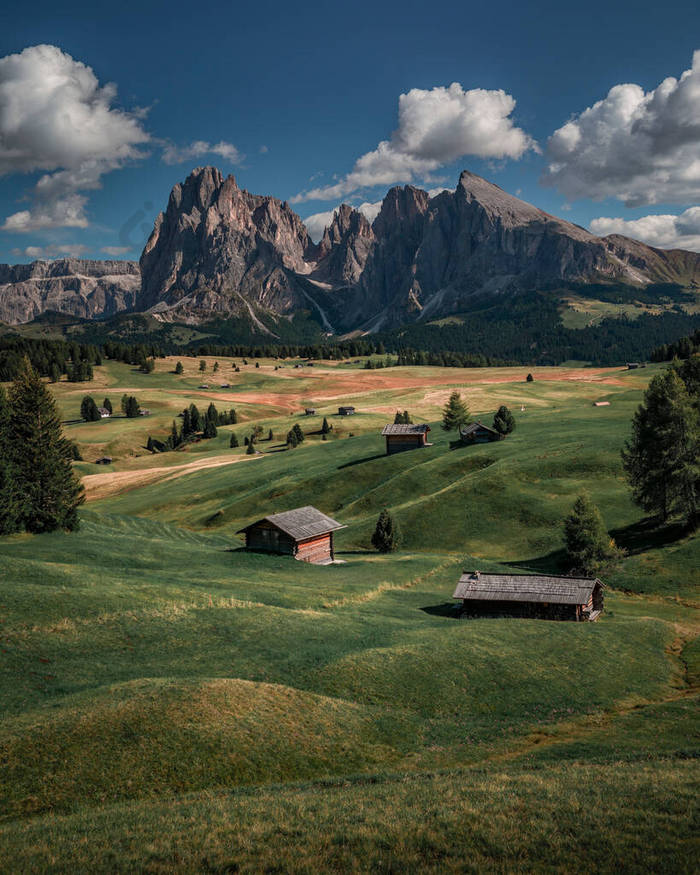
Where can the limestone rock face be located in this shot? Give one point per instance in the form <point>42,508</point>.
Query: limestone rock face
<point>88,289</point>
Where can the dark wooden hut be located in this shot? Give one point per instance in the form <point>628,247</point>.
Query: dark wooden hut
<point>478,433</point>
<point>105,460</point>
<point>530,595</point>
<point>400,437</point>
<point>304,533</point>
<point>346,411</point>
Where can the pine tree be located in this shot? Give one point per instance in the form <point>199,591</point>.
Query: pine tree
<point>149,445</point>
<point>406,418</point>
<point>8,504</point>
<point>504,421</point>
<point>216,367</point>
<point>454,413</point>
<point>123,402</point>
<point>49,493</point>
<point>202,365</point>
<point>270,435</point>
<point>232,417</point>
<point>178,368</point>
<point>175,439</point>
<point>88,409</point>
<point>386,534</point>
<point>212,413</point>
<point>292,440</point>
<point>209,429</point>
<point>233,443</point>
<point>132,409</point>
<point>299,434</point>
<point>662,458</point>
<point>251,449</point>
<point>55,373</point>
<point>107,404</point>
<point>530,379</point>
<point>325,428</point>
<point>195,418</point>
<point>589,547</point>
<point>398,418</point>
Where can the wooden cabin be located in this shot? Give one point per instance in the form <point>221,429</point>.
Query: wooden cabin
<point>105,460</point>
<point>530,595</point>
<point>309,411</point>
<point>601,404</point>
<point>304,533</point>
<point>400,437</point>
<point>104,413</point>
<point>478,433</point>
<point>346,411</point>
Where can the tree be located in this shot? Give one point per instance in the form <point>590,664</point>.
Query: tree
<point>270,435</point>
<point>216,367</point>
<point>148,365</point>
<point>209,429</point>
<point>325,428</point>
<point>195,418</point>
<point>504,421</point>
<point>212,413</point>
<point>454,413</point>
<point>298,433</point>
<point>386,534</point>
<point>251,449</point>
<point>529,379</point>
<point>9,521</point>
<point>661,459</point>
<point>88,409</point>
<point>131,408</point>
<point>48,491</point>
<point>589,547</point>
<point>149,445</point>
<point>175,439</point>
<point>233,443</point>
<point>398,418</point>
<point>202,365</point>
<point>179,368</point>
<point>292,440</point>
<point>232,417</point>
<point>125,398</point>
<point>107,404</point>
<point>55,373</point>
<point>406,418</point>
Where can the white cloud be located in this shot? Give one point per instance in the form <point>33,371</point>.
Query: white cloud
<point>65,250</point>
<point>318,222</point>
<point>179,154</point>
<point>436,127</point>
<point>55,116</point>
<point>663,231</point>
<point>642,148</point>
<point>116,250</point>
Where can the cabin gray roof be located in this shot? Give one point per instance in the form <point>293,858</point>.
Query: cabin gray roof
<point>402,428</point>
<point>300,523</point>
<point>476,586</point>
<point>476,426</point>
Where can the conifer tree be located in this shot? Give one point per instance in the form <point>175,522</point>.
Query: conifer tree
<point>8,498</point>
<point>202,366</point>
<point>386,534</point>
<point>589,547</point>
<point>251,449</point>
<point>149,445</point>
<point>132,408</point>
<point>195,418</point>
<point>179,368</point>
<point>270,435</point>
<point>88,409</point>
<point>325,428</point>
<point>454,413</point>
<point>232,417</point>
<point>216,367</point>
<point>406,418</point>
<point>209,429</point>
<point>212,413</point>
<point>233,442</point>
<point>398,418</point>
<point>504,421</point>
<point>292,440</point>
<point>123,402</point>
<point>48,491</point>
<point>530,379</point>
<point>55,373</point>
<point>107,404</point>
<point>299,434</point>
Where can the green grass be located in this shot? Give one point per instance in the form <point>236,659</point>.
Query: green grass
<point>164,692</point>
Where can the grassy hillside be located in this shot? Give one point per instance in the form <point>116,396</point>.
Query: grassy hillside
<point>186,705</point>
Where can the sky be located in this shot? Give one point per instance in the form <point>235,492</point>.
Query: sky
<point>592,114</point>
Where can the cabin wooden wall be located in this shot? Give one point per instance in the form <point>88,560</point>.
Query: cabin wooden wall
<point>268,538</point>
<point>397,443</point>
<point>319,549</point>
<point>534,610</point>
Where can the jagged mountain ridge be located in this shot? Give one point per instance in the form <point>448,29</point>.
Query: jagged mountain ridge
<point>219,251</point>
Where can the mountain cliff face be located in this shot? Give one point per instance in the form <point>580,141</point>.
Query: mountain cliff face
<point>88,289</point>
<point>219,251</point>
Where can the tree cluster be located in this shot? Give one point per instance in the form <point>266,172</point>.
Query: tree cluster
<point>402,418</point>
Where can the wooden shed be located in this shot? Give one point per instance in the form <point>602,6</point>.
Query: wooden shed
<point>530,595</point>
<point>478,433</point>
<point>105,460</point>
<point>400,437</point>
<point>309,411</point>
<point>304,533</point>
<point>104,413</point>
<point>346,411</point>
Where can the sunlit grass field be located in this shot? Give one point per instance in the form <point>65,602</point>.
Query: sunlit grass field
<point>173,703</point>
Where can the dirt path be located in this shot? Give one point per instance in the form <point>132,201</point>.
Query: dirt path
<point>98,486</point>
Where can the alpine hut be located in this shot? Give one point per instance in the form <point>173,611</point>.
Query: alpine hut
<point>400,437</point>
<point>304,533</point>
<point>530,595</point>
<point>346,411</point>
<point>478,433</point>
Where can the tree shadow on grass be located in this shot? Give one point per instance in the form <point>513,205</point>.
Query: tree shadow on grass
<point>647,534</point>
<point>447,609</point>
<point>360,461</point>
<point>553,562</point>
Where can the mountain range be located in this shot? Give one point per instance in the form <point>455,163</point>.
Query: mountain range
<point>218,251</point>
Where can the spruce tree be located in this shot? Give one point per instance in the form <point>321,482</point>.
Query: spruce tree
<point>132,409</point>
<point>298,432</point>
<point>529,379</point>
<point>270,435</point>
<point>325,428</point>
<point>454,413</point>
<point>202,366</point>
<point>251,449</point>
<point>195,418</point>
<point>9,521</point>
<point>88,409</point>
<point>662,458</point>
<point>386,534</point>
<point>233,443</point>
<point>504,421</point>
<point>212,413</point>
<point>232,417</point>
<point>49,493</point>
<point>55,373</point>
<point>406,418</point>
<point>149,445</point>
<point>178,368</point>
<point>589,547</point>
<point>292,440</point>
<point>209,429</point>
<point>398,418</point>
<point>107,404</point>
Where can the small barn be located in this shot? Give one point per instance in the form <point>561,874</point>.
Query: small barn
<point>346,411</point>
<point>400,437</point>
<point>304,533</point>
<point>105,460</point>
<point>104,413</point>
<point>478,433</point>
<point>530,595</point>
<point>601,404</point>
<point>309,411</point>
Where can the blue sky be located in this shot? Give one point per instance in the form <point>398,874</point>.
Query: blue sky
<point>289,98</point>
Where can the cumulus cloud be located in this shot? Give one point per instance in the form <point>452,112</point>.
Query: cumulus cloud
<point>663,231</point>
<point>116,251</point>
<point>64,250</point>
<point>318,222</point>
<point>179,154</point>
<point>55,116</point>
<point>641,147</point>
<point>435,127</point>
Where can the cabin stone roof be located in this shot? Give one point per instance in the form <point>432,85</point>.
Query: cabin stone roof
<point>300,523</point>
<point>473,427</point>
<point>473,585</point>
<point>402,428</point>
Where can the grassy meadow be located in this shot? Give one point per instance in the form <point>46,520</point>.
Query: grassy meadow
<point>173,703</point>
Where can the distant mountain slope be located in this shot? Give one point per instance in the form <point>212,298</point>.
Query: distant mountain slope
<point>218,252</point>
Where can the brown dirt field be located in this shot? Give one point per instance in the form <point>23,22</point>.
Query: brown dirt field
<point>110,483</point>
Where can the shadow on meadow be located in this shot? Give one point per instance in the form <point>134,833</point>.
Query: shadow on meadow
<point>647,534</point>
<point>362,461</point>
